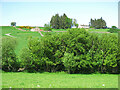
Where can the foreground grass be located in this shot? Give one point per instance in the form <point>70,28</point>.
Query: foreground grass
<point>58,80</point>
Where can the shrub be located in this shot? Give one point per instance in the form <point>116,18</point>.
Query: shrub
<point>31,56</point>
<point>69,62</point>
<point>114,27</point>
<point>113,30</point>
<point>76,51</point>
<point>28,27</point>
<point>22,26</point>
<point>47,27</point>
<point>9,59</point>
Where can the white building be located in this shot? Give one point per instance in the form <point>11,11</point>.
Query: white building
<point>84,26</point>
<point>35,29</point>
<point>74,26</point>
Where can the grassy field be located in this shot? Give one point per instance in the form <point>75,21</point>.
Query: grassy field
<point>21,36</point>
<point>58,80</point>
<point>99,30</point>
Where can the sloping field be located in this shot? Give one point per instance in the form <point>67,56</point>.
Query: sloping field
<point>21,36</point>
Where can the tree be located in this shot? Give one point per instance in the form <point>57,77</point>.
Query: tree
<point>13,23</point>
<point>75,23</point>
<point>47,27</point>
<point>98,23</point>
<point>114,27</point>
<point>55,21</point>
<point>60,22</point>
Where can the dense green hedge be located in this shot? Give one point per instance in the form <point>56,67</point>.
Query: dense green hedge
<point>9,59</point>
<point>75,51</point>
<point>114,30</point>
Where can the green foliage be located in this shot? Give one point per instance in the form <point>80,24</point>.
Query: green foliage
<point>114,27</point>
<point>114,30</point>
<point>99,23</point>
<point>91,27</point>
<point>60,22</point>
<point>47,27</point>
<point>104,52</point>
<point>26,27</point>
<point>13,23</point>
<point>76,51</point>
<point>31,56</point>
<point>69,62</point>
<point>9,59</point>
<point>75,23</point>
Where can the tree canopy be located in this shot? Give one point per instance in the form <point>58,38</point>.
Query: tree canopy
<point>61,22</point>
<point>98,23</point>
<point>13,23</point>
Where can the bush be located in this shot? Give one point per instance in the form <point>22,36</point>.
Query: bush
<point>103,53</point>
<point>31,57</point>
<point>91,27</point>
<point>70,62</point>
<point>47,27</point>
<point>22,26</point>
<point>9,59</point>
<point>114,27</point>
<point>113,30</point>
<point>76,51</point>
<point>27,27</point>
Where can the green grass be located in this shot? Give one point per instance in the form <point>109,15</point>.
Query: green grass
<point>58,80</point>
<point>99,30</point>
<point>26,29</point>
<point>41,27</point>
<point>21,36</point>
<point>8,29</point>
<point>59,30</point>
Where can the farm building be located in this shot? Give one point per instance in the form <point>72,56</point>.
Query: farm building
<point>35,29</point>
<point>74,26</point>
<point>84,26</point>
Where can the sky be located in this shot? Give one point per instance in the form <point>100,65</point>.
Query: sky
<point>39,12</point>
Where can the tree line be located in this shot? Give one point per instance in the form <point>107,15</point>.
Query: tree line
<point>98,23</point>
<point>62,22</point>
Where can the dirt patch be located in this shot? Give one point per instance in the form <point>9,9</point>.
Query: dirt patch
<point>9,35</point>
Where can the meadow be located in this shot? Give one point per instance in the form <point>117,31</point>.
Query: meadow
<point>21,36</point>
<point>58,80</point>
<point>52,80</point>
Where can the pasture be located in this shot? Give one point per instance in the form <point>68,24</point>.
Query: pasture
<point>58,80</point>
<point>21,36</point>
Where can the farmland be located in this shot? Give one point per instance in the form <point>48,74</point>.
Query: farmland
<point>54,79</point>
<point>22,36</point>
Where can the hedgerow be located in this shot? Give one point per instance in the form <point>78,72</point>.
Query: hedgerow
<point>74,51</point>
<point>9,58</point>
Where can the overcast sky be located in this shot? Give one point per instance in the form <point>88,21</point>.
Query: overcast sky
<point>37,12</point>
